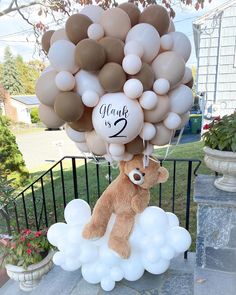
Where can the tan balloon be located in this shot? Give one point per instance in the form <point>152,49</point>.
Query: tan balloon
<point>49,117</point>
<point>159,112</point>
<point>112,77</point>
<point>46,89</point>
<point>77,27</point>
<point>46,40</point>
<point>114,49</point>
<point>85,122</point>
<point>157,16</point>
<point>135,147</point>
<point>163,135</point>
<point>59,35</point>
<point>133,12</point>
<point>90,55</point>
<point>116,23</point>
<point>69,106</point>
<point>170,66</point>
<point>95,143</point>
<point>145,76</point>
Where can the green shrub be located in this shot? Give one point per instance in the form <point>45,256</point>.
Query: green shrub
<point>34,114</point>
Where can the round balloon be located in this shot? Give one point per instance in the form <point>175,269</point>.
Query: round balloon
<point>94,12</point>
<point>163,135</point>
<point>114,49</point>
<point>46,40</point>
<point>159,112</point>
<point>85,80</point>
<point>132,11</point>
<point>95,143</point>
<point>181,45</point>
<point>136,146</point>
<point>145,76</point>
<point>85,122</point>
<point>181,99</point>
<point>58,35</point>
<point>95,31</point>
<point>49,117</point>
<point>65,81</point>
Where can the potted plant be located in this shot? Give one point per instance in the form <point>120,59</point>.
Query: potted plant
<point>27,257</point>
<point>220,151</point>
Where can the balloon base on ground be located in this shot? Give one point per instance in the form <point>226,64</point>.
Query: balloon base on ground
<point>156,239</point>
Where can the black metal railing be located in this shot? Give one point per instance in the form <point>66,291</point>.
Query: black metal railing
<point>42,203</point>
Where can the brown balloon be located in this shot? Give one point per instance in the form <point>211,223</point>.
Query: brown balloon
<point>95,143</point>
<point>190,83</point>
<point>85,122</point>
<point>146,76</point>
<point>68,106</point>
<point>46,40</point>
<point>112,77</point>
<point>157,16</point>
<point>163,135</point>
<point>114,49</point>
<point>77,27</point>
<point>90,55</point>
<point>159,112</point>
<point>133,12</point>
<point>135,147</point>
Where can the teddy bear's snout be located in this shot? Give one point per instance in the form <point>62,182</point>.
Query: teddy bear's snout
<point>136,177</point>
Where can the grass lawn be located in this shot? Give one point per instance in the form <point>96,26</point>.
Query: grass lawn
<point>90,190</point>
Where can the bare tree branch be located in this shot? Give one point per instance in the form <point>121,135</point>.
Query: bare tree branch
<point>11,8</point>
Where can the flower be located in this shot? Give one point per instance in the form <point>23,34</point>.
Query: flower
<point>22,239</point>
<point>38,234</point>
<point>28,251</point>
<point>206,126</point>
<point>29,245</point>
<point>27,231</point>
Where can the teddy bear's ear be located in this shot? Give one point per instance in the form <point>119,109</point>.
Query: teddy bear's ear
<point>163,175</point>
<point>122,166</point>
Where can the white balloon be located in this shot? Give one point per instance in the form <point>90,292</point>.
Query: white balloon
<point>74,135</point>
<point>75,234</point>
<point>187,75</point>
<point>116,273</point>
<point>132,267</point>
<point>47,69</point>
<point>71,264</point>
<point>95,31</point>
<point>78,212</point>
<point>157,268</point>
<point>148,37</point>
<point>167,42</point>
<point>90,98</point>
<point>148,131</point>
<point>179,238</point>
<point>94,12</point>
<point>58,258</point>
<point>181,45</point>
<point>152,254</point>
<point>167,252</point>
<point>181,99</point>
<point>88,253</point>
<point>56,232</point>
<point>62,56</point>
<point>161,86</point>
<point>107,284</point>
<point>173,219</point>
<point>62,244</point>
<point>171,27</point>
<point>159,239</point>
<point>148,100</point>
<point>82,146</point>
<point>133,88</point>
<point>101,270</point>
<point>72,250</point>
<point>114,116</point>
<point>131,64</point>
<point>108,256</point>
<point>89,273</point>
<point>172,121</point>
<point>116,149</point>
<point>65,81</point>
<point>59,34</point>
<point>134,47</point>
<point>88,81</point>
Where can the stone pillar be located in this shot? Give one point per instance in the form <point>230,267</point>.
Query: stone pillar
<point>215,272</point>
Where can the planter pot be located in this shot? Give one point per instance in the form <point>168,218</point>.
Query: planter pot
<point>224,163</point>
<point>29,278</point>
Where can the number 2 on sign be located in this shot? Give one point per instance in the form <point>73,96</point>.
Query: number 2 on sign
<point>118,134</point>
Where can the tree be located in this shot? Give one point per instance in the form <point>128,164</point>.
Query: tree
<point>10,77</point>
<point>34,114</point>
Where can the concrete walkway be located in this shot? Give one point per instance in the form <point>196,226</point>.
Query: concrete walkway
<point>178,280</point>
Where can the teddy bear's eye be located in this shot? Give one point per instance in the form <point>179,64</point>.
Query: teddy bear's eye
<point>143,174</point>
<point>137,168</point>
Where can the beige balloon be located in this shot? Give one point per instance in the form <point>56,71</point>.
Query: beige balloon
<point>49,117</point>
<point>46,89</point>
<point>184,120</point>
<point>163,135</point>
<point>116,23</point>
<point>170,66</point>
<point>159,112</point>
<point>95,143</point>
<point>58,35</point>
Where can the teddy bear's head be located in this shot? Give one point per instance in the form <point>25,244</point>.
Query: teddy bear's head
<point>145,177</point>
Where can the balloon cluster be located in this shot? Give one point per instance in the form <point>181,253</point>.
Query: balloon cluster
<point>117,79</point>
<point>155,240</point>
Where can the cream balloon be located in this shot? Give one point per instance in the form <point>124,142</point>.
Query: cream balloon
<point>149,149</point>
<point>95,143</point>
<point>161,86</point>
<point>181,44</point>
<point>82,146</point>
<point>184,120</point>
<point>148,131</point>
<point>95,31</point>
<point>114,116</point>
<point>167,42</point>
<point>148,100</point>
<point>58,35</point>
<point>134,47</point>
<point>49,117</point>
<point>65,81</point>
<point>163,135</point>
<point>172,121</point>
<point>132,64</point>
<point>61,56</point>
<point>148,37</point>
<point>90,98</point>
<point>181,99</point>
<point>133,88</point>
<point>187,76</point>
<point>94,12</point>
<point>160,111</point>
<point>116,149</point>
<point>75,135</point>
<point>88,81</point>
<point>171,27</point>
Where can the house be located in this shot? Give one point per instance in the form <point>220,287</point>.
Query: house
<point>215,44</point>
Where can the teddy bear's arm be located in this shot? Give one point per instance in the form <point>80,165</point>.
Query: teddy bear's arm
<point>140,201</point>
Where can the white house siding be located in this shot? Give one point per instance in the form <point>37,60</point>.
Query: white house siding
<point>23,113</point>
<point>217,61</point>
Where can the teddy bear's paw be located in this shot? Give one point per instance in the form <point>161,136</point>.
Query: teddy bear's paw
<point>121,247</point>
<point>91,231</point>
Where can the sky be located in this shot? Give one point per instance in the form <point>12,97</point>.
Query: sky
<point>16,33</point>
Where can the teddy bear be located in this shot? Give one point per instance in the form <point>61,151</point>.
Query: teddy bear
<point>126,196</point>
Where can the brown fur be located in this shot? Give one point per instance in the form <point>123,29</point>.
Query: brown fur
<point>125,199</point>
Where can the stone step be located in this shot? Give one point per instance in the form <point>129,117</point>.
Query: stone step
<point>178,280</point>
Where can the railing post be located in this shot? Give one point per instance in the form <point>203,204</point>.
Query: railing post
<point>74,178</point>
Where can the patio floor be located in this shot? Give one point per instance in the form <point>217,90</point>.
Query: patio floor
<point>178,280</point>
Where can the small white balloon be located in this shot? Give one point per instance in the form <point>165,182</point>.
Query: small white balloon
<point>159,239</point>
<point>88,253</point>
<point>116,149</point>
<point>133,88</point>
<point>58,258</point>
<point>65,81</point>
<point>173,219</point>
<point>152,254</point>
<point>116,273</point>
<point>107,284</point>
<point>161,86</point>
<point>148,131</point>
<point>95,31</point>
<point>167,42</point>
<point>158,267</point>
<point>172,121</point>
<point>90,98</point>
<point>77,212</point>
<point>187,75</point>
<point>132,64</point>
<point>179,238</point>
<point>127,156</point>
<point>74,135</point>
<point>134,47</point>
<point>148,100</point>
<point>89,273</point>
<point>74,234</point>
<point>108,256</point>
<point>56,232</point>
<point>132,267</point>
<point>71,264</point>
<point>167,252</point>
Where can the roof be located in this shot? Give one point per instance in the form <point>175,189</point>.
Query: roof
<point>26,99</point>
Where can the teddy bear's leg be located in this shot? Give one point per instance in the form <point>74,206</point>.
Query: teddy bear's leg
<point>97,226</point>
<point>119,237</point>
